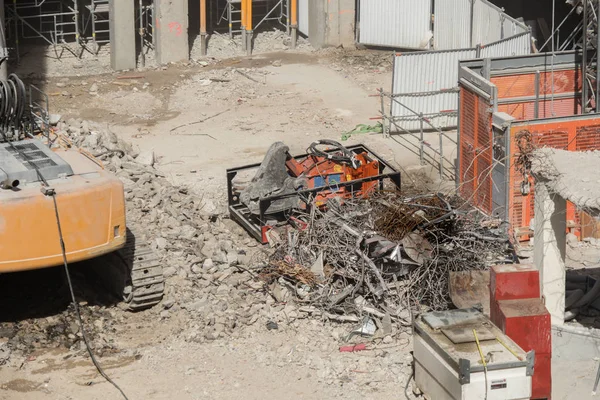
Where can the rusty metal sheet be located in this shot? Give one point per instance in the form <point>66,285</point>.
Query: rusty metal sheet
<point>470,289</point>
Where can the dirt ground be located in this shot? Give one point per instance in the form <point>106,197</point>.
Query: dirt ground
<point>200,118</point>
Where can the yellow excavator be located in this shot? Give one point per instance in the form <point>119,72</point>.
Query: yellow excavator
<point>42,187</point>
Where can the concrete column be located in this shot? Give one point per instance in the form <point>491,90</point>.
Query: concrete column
<point>172,41</point>
<point>122,34</point>
<point>549,249</point>
<point>331,23</point>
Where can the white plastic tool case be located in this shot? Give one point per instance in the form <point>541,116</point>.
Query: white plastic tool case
<point>448,362</point>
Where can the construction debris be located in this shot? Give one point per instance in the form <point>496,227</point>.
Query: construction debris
<point>388,256</point>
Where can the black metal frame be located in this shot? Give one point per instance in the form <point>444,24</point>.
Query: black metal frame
<point>241,214</point>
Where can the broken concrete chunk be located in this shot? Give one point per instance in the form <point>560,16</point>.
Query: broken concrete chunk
<point>146,158</point>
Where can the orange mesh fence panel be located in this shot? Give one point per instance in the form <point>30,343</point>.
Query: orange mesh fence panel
<point>468,101</point>
<point>551,84</point>
<point>484,156</point>
<point>521,85</point>
<point>476,150</point>
<point>588,138</point>
<point>546,109</point>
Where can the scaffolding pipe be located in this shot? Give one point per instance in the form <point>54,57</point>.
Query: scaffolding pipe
<point>203,27</point>
<point>249,32</point>
<point>555,32</point>
<point>584,83</point>
<point>294,23</point>
<point>141,32</point>
<point>244,6</point>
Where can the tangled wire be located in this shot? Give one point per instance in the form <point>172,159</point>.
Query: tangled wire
<point>387,255</point>
<point>525,146</point>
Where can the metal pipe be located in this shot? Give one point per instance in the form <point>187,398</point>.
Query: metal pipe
<point>141,33</point>
<point>597,57</point>
<point>76,18</point>
<point>536,107</point>
<point>555,32</point>
<point>421,139</point>
<point>294,23</point>
<point>244,6</point>
<point>249,31</point>
<point>203,43</point>
<point>552,59</point>
<point>584,83</point>
<point>3,49</point>
<point>472,11</point>
<point>441,156</point>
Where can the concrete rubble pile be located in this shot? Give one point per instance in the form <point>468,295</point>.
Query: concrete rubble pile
<point>205,255</point>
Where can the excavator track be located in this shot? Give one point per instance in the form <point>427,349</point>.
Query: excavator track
<point>146,286</point>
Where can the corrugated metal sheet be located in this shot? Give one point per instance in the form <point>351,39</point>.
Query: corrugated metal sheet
<point>395,23</point>
<point>303,16</point>
<point>514,46</point>
<point>423,73</point>
<point>487,23</point>
<point>452,24</point>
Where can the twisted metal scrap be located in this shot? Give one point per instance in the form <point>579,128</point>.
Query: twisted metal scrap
<point>357,284</point>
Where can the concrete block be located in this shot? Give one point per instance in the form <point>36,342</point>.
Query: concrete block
<point>172,41</point>
<point>332,23</point>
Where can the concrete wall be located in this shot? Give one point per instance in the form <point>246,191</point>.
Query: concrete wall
<point>172,42</point>
<point>331,23</point>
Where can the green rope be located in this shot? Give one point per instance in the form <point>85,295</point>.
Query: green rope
<point>363,128</point>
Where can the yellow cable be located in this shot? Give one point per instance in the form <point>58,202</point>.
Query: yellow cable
<point>483,361</point>
<point>509,349</point>
<point>479,348</point>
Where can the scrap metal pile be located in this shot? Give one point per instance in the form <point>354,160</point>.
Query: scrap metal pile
<point>387,256</point>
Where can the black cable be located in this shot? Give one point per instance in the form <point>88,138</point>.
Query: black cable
<point>343,156</point>
<point>75,305</point>
<point>13,95</point>
<point>110,152</point>
<point>50,192</point>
